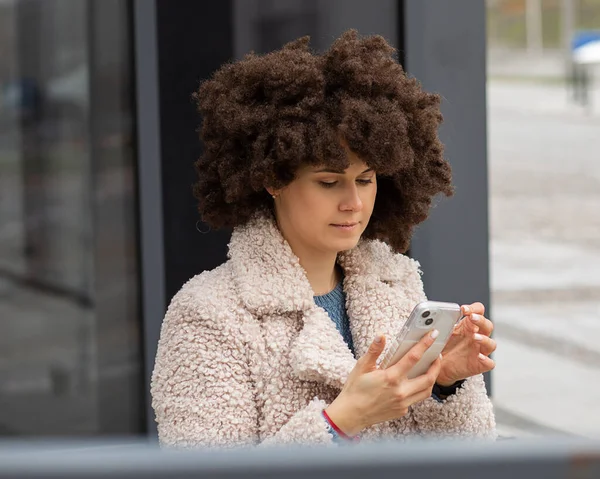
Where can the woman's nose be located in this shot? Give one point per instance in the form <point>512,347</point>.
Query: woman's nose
<point>351,201</point>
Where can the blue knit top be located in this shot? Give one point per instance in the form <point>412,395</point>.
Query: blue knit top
<point>334,303</point>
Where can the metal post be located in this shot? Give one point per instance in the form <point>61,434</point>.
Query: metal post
<point>150,186</point>
<point>445,48</point>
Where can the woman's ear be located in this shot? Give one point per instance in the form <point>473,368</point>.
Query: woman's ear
<point>273,192</point>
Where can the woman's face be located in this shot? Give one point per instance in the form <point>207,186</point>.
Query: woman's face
<point>327,211</point>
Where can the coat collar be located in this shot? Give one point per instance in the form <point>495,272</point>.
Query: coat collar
<point>381,289</point>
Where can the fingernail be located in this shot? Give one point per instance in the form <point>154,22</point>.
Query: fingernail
<point>477,337</point>
<point>467,310</point>
<point>378,339</point>
<point>475,317</point>
<point>482,357</point>
<point>441,356</point>
<point>434,334</point>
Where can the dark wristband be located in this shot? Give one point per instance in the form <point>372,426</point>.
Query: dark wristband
<point>447,390</point>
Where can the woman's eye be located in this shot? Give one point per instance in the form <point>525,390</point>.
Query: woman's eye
<point>331,184</point>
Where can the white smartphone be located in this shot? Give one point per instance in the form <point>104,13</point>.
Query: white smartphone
<point>425,317</point>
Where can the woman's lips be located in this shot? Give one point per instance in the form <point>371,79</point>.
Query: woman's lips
<point>346,227</point>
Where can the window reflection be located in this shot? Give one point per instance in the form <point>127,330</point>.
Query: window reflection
<point>69,348</point>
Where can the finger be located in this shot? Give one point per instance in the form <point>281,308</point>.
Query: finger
<point>472,325</point>
<point>427,379</point>
<point>487,344</point>
<point>422,386</point>
<point>368,362</point>
<point>414,354</point>
<point>485,325</point>
<point>474,308</point>
<point>487,364</point>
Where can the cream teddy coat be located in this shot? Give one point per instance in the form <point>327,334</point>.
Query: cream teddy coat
<point>246,357</point>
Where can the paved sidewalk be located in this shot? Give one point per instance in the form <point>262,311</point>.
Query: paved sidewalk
<point>525,98</point>
<point>544,176</point>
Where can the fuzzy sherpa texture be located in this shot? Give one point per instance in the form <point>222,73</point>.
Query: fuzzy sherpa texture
<point>246,357</point>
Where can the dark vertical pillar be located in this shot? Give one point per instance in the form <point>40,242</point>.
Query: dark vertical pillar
<point>150,187</point>
<point>177,45</point>
<point>194,39</point>
<point>445,48</point>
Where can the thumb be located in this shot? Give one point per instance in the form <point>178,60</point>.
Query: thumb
<point>369,360</point>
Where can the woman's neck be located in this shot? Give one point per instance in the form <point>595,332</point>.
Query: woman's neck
<point>320,266</point>
<point>322,275</point>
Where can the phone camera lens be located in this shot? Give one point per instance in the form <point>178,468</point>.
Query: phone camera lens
<point>428,321</point>
<point>426,314</point>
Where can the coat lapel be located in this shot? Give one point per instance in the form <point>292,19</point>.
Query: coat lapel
<point>320,353</point>
<point>270,281</point>
<point>381,288</point>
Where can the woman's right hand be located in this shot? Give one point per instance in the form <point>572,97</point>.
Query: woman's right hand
<point>373,395</point>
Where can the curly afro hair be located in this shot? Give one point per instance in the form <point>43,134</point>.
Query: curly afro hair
<point>266,116</point>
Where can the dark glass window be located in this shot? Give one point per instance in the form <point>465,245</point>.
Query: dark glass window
<point>70,353</point>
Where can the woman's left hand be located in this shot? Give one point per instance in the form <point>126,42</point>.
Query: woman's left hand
<point>467,352</point>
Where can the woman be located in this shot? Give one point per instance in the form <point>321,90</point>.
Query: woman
<point>323,165</point>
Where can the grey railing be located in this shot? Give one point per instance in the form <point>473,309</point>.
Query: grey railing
<point>543,458</point>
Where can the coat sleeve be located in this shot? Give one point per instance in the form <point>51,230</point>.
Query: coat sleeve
<point>202,391</point>
<point>468,412</point>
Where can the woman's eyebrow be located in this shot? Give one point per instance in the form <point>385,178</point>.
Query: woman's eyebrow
<point>339,172</point>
